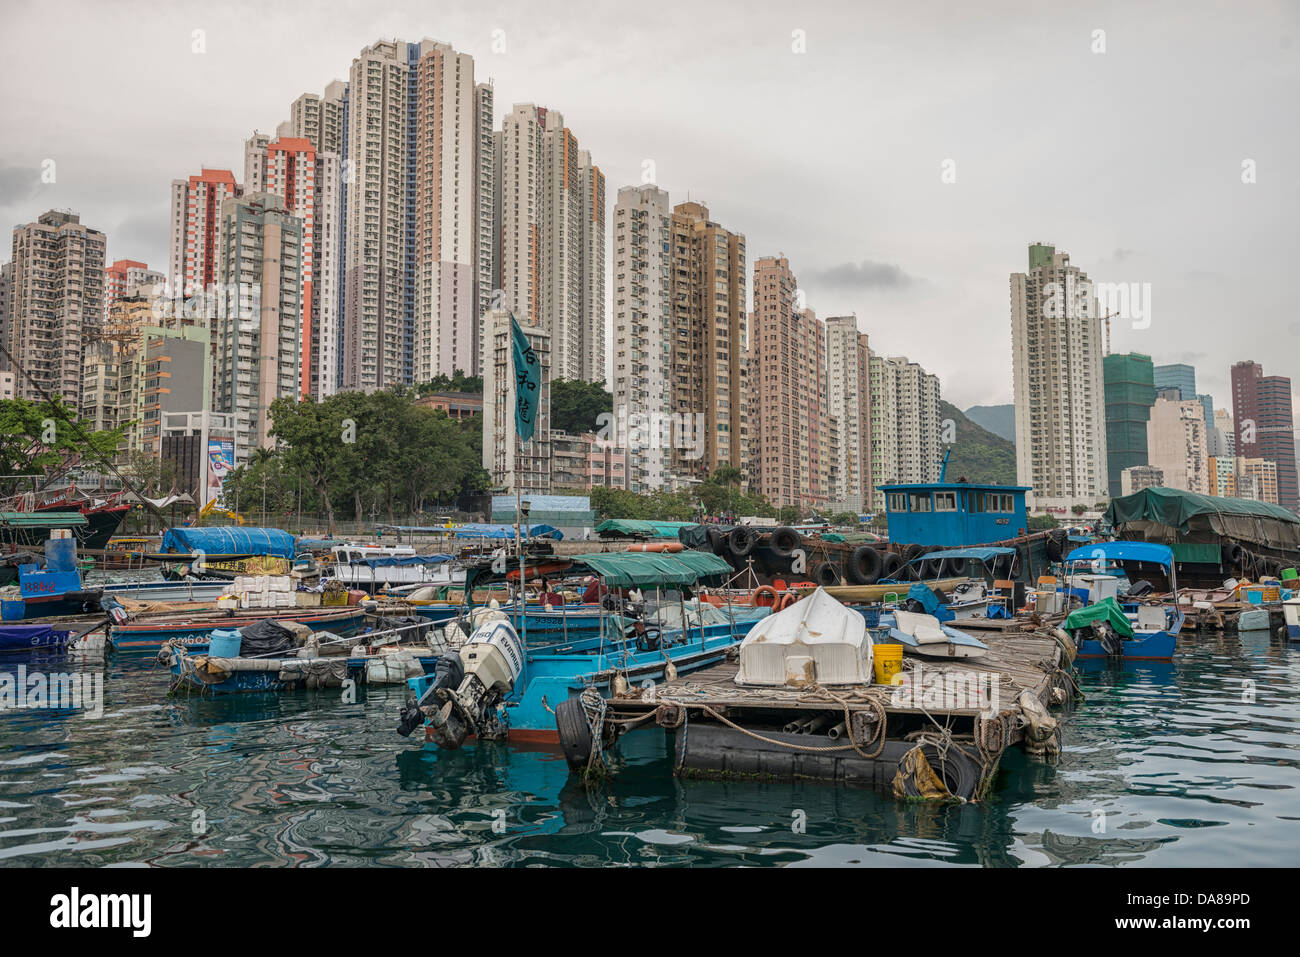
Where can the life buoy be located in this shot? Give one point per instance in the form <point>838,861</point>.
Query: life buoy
<point>787,599</point>
<point>761,592</point>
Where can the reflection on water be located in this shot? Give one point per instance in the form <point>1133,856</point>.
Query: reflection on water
<point>1187,764</point>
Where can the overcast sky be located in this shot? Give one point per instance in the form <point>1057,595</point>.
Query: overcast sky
<point>1130,160</point>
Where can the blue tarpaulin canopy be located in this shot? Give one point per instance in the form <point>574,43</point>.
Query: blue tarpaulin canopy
<point>983,554</point>
<point>1124,552</point>
<point>479,530</point>
<point>387,561</point>
<point>229,541</point>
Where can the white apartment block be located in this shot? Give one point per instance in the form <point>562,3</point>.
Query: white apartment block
<point>500,439</point>
<point>1057,372</point>
<point>374,339</point>
<point>551,201</point>
<point>905,428</point>
<point>447,220</point>
<point>848,397</point>
<point>1176,444</point>
<point>56,302</point>
<point>258,353</point>
<point>643,323</point>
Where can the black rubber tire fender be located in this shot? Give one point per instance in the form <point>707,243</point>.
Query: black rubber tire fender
<point>741,540</point>
<point>784,541</point>
<point>864,566</point>
<point>575,733</point>
<point>717,540</point>
<point>890,563</point>
<point>959,773</point>
<point>825,574</point>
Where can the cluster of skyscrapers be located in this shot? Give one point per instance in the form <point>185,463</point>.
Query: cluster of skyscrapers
<point>390,229</point>
<point>1091,425</point>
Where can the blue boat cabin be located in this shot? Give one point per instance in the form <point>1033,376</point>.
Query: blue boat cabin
<point>955,513</point>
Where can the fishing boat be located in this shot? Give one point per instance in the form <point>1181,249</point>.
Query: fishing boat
<point>151,634</point>
<point>48,510</point>
<point>504,684</point>
<point>224,552</point>
<point>1134,629</point>
<point>29,637</point>
<point>54,589</point>
<point>325,662</point>
<point>376,568</point>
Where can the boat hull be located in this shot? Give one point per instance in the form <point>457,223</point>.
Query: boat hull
<point>1154,647</point>
<point>135,636</point>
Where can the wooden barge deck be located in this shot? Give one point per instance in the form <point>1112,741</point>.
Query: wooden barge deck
<point>960,714</point>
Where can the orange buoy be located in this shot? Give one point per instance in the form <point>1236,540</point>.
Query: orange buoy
<point>656,547</point>
<point>763,591</point>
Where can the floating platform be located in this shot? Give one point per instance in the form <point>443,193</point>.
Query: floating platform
<point>958,715</point>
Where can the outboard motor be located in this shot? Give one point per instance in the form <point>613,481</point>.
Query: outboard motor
<point>448,673</point>
<point>1110,642</point>
<point>492,660</point>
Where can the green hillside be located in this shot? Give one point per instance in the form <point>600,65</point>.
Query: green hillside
<point>978,455</point>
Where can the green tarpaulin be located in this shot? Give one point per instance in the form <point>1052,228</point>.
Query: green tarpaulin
<point>1172,515</point>
<point>656,569</point>
<point>41,519</point>
<point>635,528</point>
<point>1107,611</point>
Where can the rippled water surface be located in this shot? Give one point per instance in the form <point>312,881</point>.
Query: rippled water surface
<point>1189,764</point>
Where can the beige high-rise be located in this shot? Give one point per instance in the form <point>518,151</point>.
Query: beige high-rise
<point>789,447</point>
<point>1058,385</point>
<point>551,202</point>
<point>1176,444</point>
<point>905,428</point>
<point>848,395</point>
<point>56,303</point>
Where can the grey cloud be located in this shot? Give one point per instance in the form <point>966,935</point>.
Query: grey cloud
<point>864,275</point>
<point>18,184</point>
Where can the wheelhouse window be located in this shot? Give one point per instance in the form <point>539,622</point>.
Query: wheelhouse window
<point>920,502</point>
<point>898,501</point>
<point>945,501</point>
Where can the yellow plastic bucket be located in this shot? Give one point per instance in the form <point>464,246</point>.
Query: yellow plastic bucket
<point>886,661</point>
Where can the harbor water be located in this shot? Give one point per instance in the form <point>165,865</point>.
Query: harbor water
<point>1189,764</point>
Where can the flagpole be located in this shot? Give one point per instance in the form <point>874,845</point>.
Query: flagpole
<point>519,506</point>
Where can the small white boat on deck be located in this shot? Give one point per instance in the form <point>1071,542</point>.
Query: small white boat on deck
<point>375,567</point>
<point>817,640</point>
<point>926,635</point>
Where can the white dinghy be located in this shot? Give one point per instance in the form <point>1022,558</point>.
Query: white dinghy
<point>814,641</point>
<point>926,635</point>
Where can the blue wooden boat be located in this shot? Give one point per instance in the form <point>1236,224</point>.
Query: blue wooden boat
<point>1130,630</point>
<point>198,628</point>
<point>632,645</point>
<point>28,637</point>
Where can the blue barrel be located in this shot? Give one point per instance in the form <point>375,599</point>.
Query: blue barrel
<point>224,643</point>
<point>61,554</point>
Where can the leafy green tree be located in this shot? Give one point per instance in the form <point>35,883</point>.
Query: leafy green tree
<point>36,437</point>
<point>576,405</point>
<point>456,382</point>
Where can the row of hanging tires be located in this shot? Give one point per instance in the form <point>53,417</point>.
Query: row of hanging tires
<point>1242,560</point>
<point>866,565</point>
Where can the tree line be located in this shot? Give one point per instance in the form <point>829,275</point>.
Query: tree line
<point>355,454</point>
